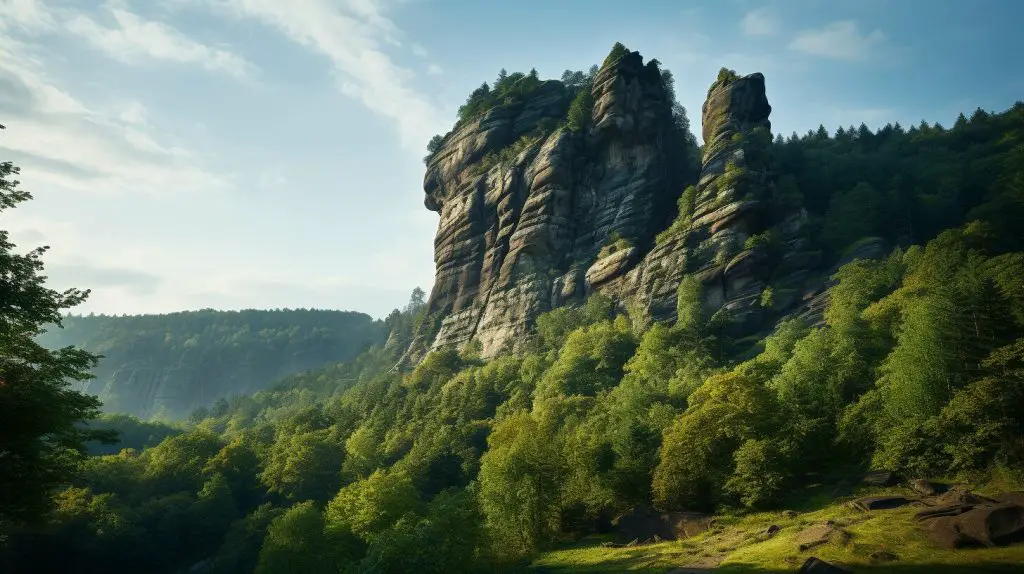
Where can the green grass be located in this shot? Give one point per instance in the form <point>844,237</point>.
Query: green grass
<point>737,543</point>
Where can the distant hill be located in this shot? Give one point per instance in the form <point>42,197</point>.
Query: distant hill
<point>165,366</point>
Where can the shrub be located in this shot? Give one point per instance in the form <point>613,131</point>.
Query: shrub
<point>618,51</point>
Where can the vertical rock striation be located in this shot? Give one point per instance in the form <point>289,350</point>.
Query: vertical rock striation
<point>572,213</point>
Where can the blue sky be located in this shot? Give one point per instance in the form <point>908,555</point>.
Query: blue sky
<point>262,153</point>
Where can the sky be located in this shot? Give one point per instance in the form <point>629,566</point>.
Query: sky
<point>229,154</point>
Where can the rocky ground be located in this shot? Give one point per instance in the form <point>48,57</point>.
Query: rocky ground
<point>885,525</point>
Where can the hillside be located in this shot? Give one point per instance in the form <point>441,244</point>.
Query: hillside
<point>628,334</point>
<point>559,190</point>
<point>166,366</point>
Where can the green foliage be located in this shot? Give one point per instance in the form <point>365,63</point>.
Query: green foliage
<point>295,541</point>
<point>731,177</point>
<point>39,413</point>
<point>768,240</point>
<point>445,539</point>
<point>983,424</point>
<point>507,156</point>
<point>690,305</point>
<point>697,451</point>
<point>554,327</point>
<point>590,360</point>
<point>461,464</point>
<point>509,89</point>
<point>726,76</point>
<point>851,216</point>
<point>131,433</point>
<point>762,469</point>
<point>617,52</point>
<point>580,110</point>
<point>371,506</point>
<point>613,244</point>
<point>520,476</point>
<point>433,146</point>
<point>303,465</point>
<point>767,298</point>
<point>686,204</point>
<point>208,354</point>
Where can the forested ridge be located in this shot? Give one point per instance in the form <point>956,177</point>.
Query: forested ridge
<point>916,366</point>
<point>165,366</point>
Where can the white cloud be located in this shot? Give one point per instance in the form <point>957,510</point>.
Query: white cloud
<point>134,113</point>
<point>61,140</point>
<point>840,40</point>
<point>434,70</point>
<point>760,22</point>
<point>352,34</point>
<point>29,15</point>
<point>419,51</point>
<point>133,39</point>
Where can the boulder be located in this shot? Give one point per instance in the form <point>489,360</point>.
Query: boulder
<point>687,524</point>
<point>993,525</point>
<point>645,525</point>
<point>881,556</point>
<point>640,524</point>
<point>927,487</point>
<point>961,518</point>
<point>879,503</point>
<point>940,511</point>
<point>957,496</point>
<point>819,534</point>
<point>945,532</point>
<point>1016,497</point>
<point>816,566</point>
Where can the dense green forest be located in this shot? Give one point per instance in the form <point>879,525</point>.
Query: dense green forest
<point>462,464</point>
<point>165,366</point>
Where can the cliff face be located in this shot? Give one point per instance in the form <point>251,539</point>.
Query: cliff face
<point>577,212</point>
<point>733,233</point>
<point>523,236</point>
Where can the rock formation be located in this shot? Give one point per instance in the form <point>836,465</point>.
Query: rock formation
<point>572,213</point>
<point>522,237</point>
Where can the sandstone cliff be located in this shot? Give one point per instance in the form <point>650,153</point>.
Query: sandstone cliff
<point>574,212</point>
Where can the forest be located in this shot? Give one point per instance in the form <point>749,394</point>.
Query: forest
<point>459,464</point>
<point>166,366</point>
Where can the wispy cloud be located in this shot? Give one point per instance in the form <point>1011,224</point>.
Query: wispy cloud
<point>353,34</point>
<point>133,39</point>
<point>760,22</point>
<point>28,15</point>
<point>840,40</point>
<point>102,277</point>
<point>59,139</point>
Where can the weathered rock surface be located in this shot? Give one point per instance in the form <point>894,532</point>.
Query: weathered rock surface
<point>880,478</point>
<point>521,237</point>
<point>870,503</point>
<point>819,534</point>
<point>643,525</point>
<point>816,566</point>
<point>927,487</point>
<point>959,518</point>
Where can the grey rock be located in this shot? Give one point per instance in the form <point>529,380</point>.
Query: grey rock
<point>816,566</point>
<point>522,238</point>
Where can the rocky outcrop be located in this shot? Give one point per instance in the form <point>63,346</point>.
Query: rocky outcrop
<point>573,213</point>
<point>520,237</point>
